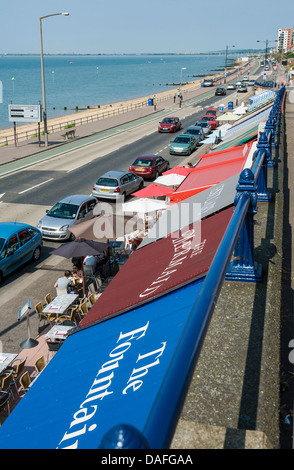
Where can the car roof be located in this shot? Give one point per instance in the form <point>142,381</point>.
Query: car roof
<point>9,228</point>
<point>76,199</point>
<point>114,174</point>
<point>150,157</point>
<point>170,117</point>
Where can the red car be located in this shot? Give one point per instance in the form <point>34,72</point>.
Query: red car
<point>149,166</point>
<point>170,124</point>
<point>212,120</point>
<point>211,112</point>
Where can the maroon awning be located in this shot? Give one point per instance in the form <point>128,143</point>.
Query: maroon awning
<point>161,267</point>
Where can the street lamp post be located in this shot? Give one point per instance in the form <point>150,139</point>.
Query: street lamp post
<point>43,76</point>
<point>227,47</point>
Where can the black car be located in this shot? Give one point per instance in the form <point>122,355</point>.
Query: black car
<point>220,91</point>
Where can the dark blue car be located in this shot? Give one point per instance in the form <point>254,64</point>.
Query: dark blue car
<point>18,244</point>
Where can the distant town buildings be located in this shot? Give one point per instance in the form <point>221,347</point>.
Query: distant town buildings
<point>285,39</point>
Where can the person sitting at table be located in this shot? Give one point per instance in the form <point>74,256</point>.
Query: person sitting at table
<point>77,273</point>
<point>64,282</point>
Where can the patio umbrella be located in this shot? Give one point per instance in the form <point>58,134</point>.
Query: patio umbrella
<point>153,190</point>
<point>80,248</point>
<point>171,179</point>
<point>178,170</point>
<point>228,117</point>
<point>106,227</point>
<point>143,206</point>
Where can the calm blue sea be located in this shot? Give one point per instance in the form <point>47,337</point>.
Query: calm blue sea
<point>94,80</point>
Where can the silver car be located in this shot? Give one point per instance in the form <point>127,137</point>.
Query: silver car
<point>117,185</point>
<point>205,126</point>
<point>196,131</point>
<point>70,210</point>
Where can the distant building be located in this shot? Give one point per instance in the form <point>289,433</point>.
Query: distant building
<point>285,39</point>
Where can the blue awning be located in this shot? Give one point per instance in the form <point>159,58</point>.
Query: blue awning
<point>131,369</point>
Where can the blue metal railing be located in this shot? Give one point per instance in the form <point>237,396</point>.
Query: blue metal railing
<point>239,236</point>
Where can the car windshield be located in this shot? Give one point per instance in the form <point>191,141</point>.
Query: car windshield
<point>142,162</point>
<point>182,140</point>
<point>63,211</point>
<point>103,181</point>
<point>208,118</point>
<point>2,241</point>
<point>167,121</point>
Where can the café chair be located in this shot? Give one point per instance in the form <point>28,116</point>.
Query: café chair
<point>53,346</point>
<point>40,364</point>
<point>70,318</point>
<point>83,308</point>
<point>91,300</point>
<point>17,369</point>
<point>25,381</point>
<point>48,298</point>
<point>6,382</point>
<point>4,399</point>
<point>43,316</point>
<point>61,290</point>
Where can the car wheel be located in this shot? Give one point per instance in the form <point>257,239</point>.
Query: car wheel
<point>1,277</point>
<point>36,254</point>
<point>156,175</point>
<point>71,237</point>
<point>123,196</point>
<point>141,185</point>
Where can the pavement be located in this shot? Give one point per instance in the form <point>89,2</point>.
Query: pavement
<point>241,393</point>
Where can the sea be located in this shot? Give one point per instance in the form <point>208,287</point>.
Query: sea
<point>81,81</point>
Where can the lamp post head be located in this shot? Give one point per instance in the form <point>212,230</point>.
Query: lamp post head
<point>65,14</point>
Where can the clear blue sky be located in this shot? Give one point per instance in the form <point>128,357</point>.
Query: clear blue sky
<point>141,26</point>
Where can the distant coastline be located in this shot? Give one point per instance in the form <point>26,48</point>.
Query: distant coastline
<point>72,54</point>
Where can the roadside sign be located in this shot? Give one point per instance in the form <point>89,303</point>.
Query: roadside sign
<point>24,113</point>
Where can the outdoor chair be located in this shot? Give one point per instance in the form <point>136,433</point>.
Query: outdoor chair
<point>91,300</point>
<point>53,346</point>
<point>7,380</point>
<point>48,298</point>
<point>49,317</point>
<point>70,318</point>
<point>4,399</point>
<point>40,364</point>
<point>83,308</point>
<point>25,381</point>
<point>61,290</point>
<point>17,370</point>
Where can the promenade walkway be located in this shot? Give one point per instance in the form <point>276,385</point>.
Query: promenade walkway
<point>234,397</point>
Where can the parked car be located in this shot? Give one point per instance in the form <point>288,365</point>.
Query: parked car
<point>231,86</point>
<point>117,185</point>
<point>220,91</point>
<point>251,83</point>
<point>205,126</point>
<point>212,120</point>
<point>149,166</point>
<point>18,244</point>
<point>211,112</point>
<point>207,82</point>
<point>66,212</point>
<point>241,89</point>
<point>170,124</point>
<point>184,144</point>
<point>196,131</point>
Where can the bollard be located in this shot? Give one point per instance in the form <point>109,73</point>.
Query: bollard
<point>243,268</point>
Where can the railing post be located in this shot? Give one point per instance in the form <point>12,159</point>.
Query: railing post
<point>270,130</point>
<point>263,147</point>
<point>243,268</point>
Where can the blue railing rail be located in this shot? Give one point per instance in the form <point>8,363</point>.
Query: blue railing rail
<point>239,237</point>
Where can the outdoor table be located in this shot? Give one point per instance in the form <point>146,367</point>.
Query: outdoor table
<point>58,332</point>
<point>5,360</point>
<point>60,304</point>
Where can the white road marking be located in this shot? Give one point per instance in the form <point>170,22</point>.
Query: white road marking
<point>36,186</point>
